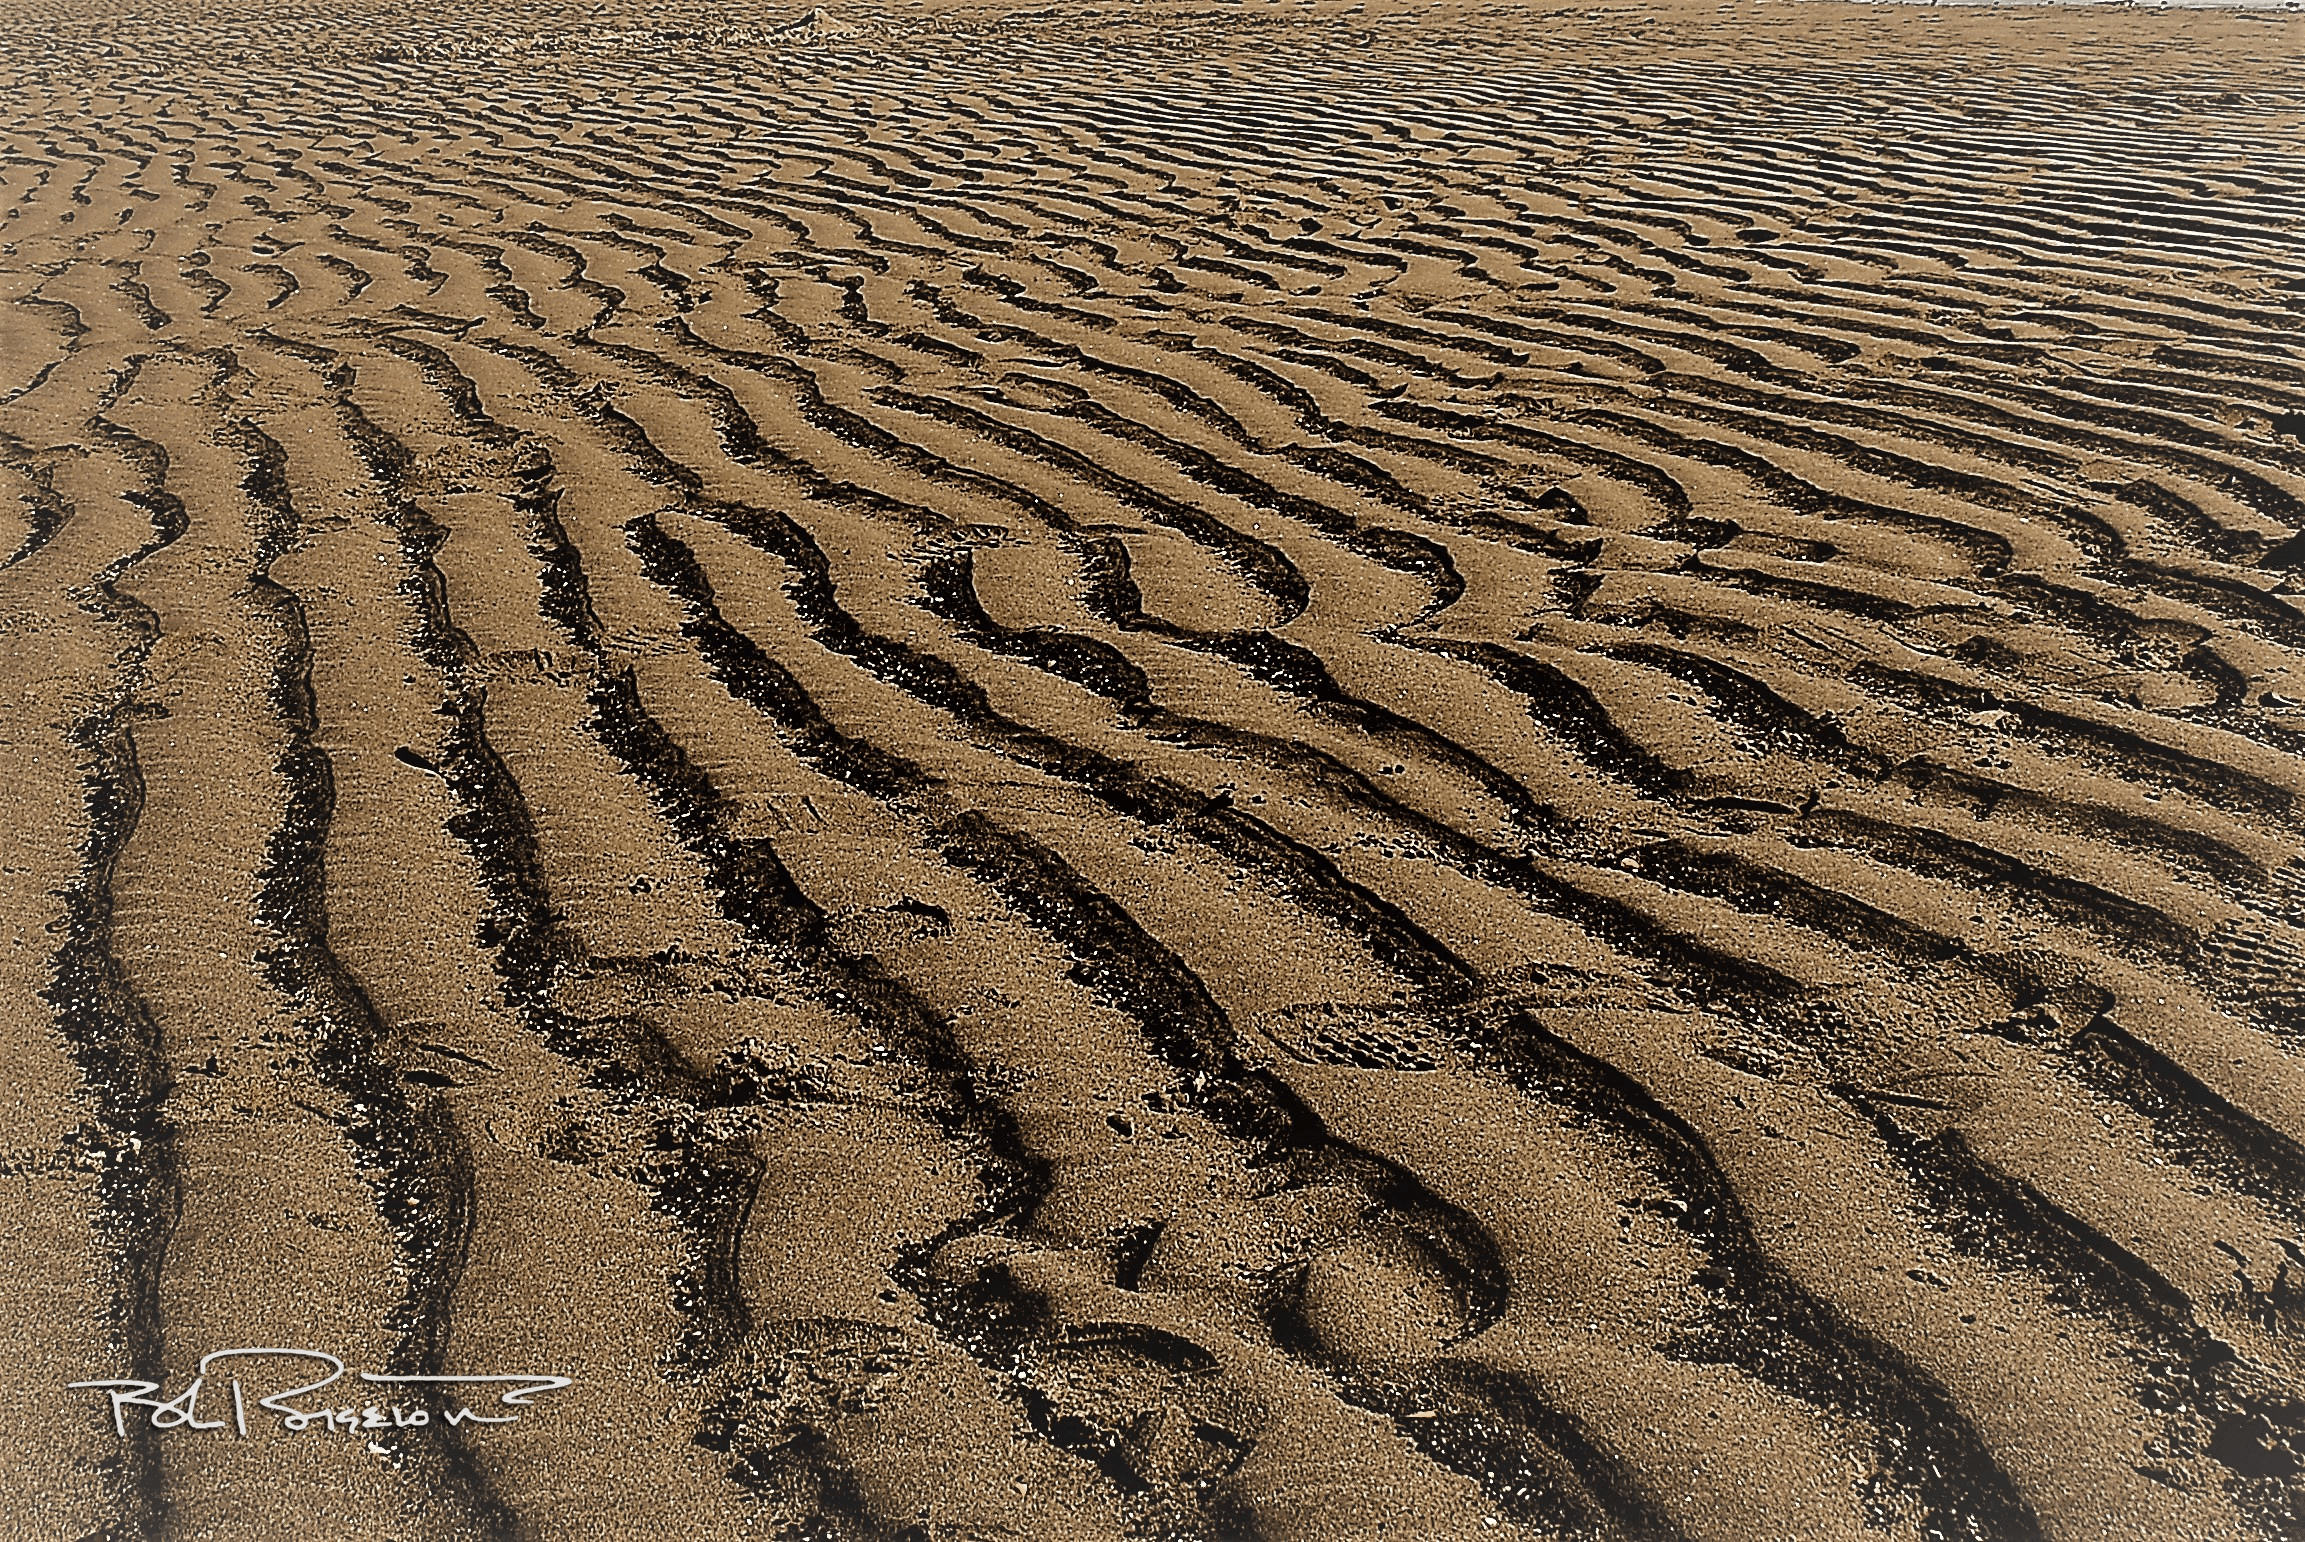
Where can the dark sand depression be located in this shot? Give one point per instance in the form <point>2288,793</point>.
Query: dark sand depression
<point>1155,771</point>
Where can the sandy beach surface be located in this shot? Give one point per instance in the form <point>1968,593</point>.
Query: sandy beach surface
<point>1167,771</point>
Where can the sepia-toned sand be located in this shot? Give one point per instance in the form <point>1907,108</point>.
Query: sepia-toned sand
<point>1270,770</point>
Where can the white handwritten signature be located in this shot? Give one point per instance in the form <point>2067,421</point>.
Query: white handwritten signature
<point>413,1407</point>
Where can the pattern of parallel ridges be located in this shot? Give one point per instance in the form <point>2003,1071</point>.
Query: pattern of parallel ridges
<point>1828,550</point>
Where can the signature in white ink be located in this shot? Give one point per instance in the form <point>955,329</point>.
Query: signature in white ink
<point>412,1402</point>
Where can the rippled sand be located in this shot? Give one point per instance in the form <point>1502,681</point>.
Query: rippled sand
<point>1273,770</point>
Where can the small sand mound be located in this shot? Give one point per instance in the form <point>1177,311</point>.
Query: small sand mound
<point>817,23</point>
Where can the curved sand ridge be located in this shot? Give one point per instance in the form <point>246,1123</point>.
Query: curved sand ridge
<point>1173,771</point>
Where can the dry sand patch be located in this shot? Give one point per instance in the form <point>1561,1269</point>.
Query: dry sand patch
<point>1158,770</point>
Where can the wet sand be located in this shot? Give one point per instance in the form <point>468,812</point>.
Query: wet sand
<point>1159,771</point>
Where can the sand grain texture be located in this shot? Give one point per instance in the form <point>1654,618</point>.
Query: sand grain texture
<point>1158,771</point>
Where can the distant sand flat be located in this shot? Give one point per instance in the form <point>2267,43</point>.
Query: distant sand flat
<point>1265,770</point>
